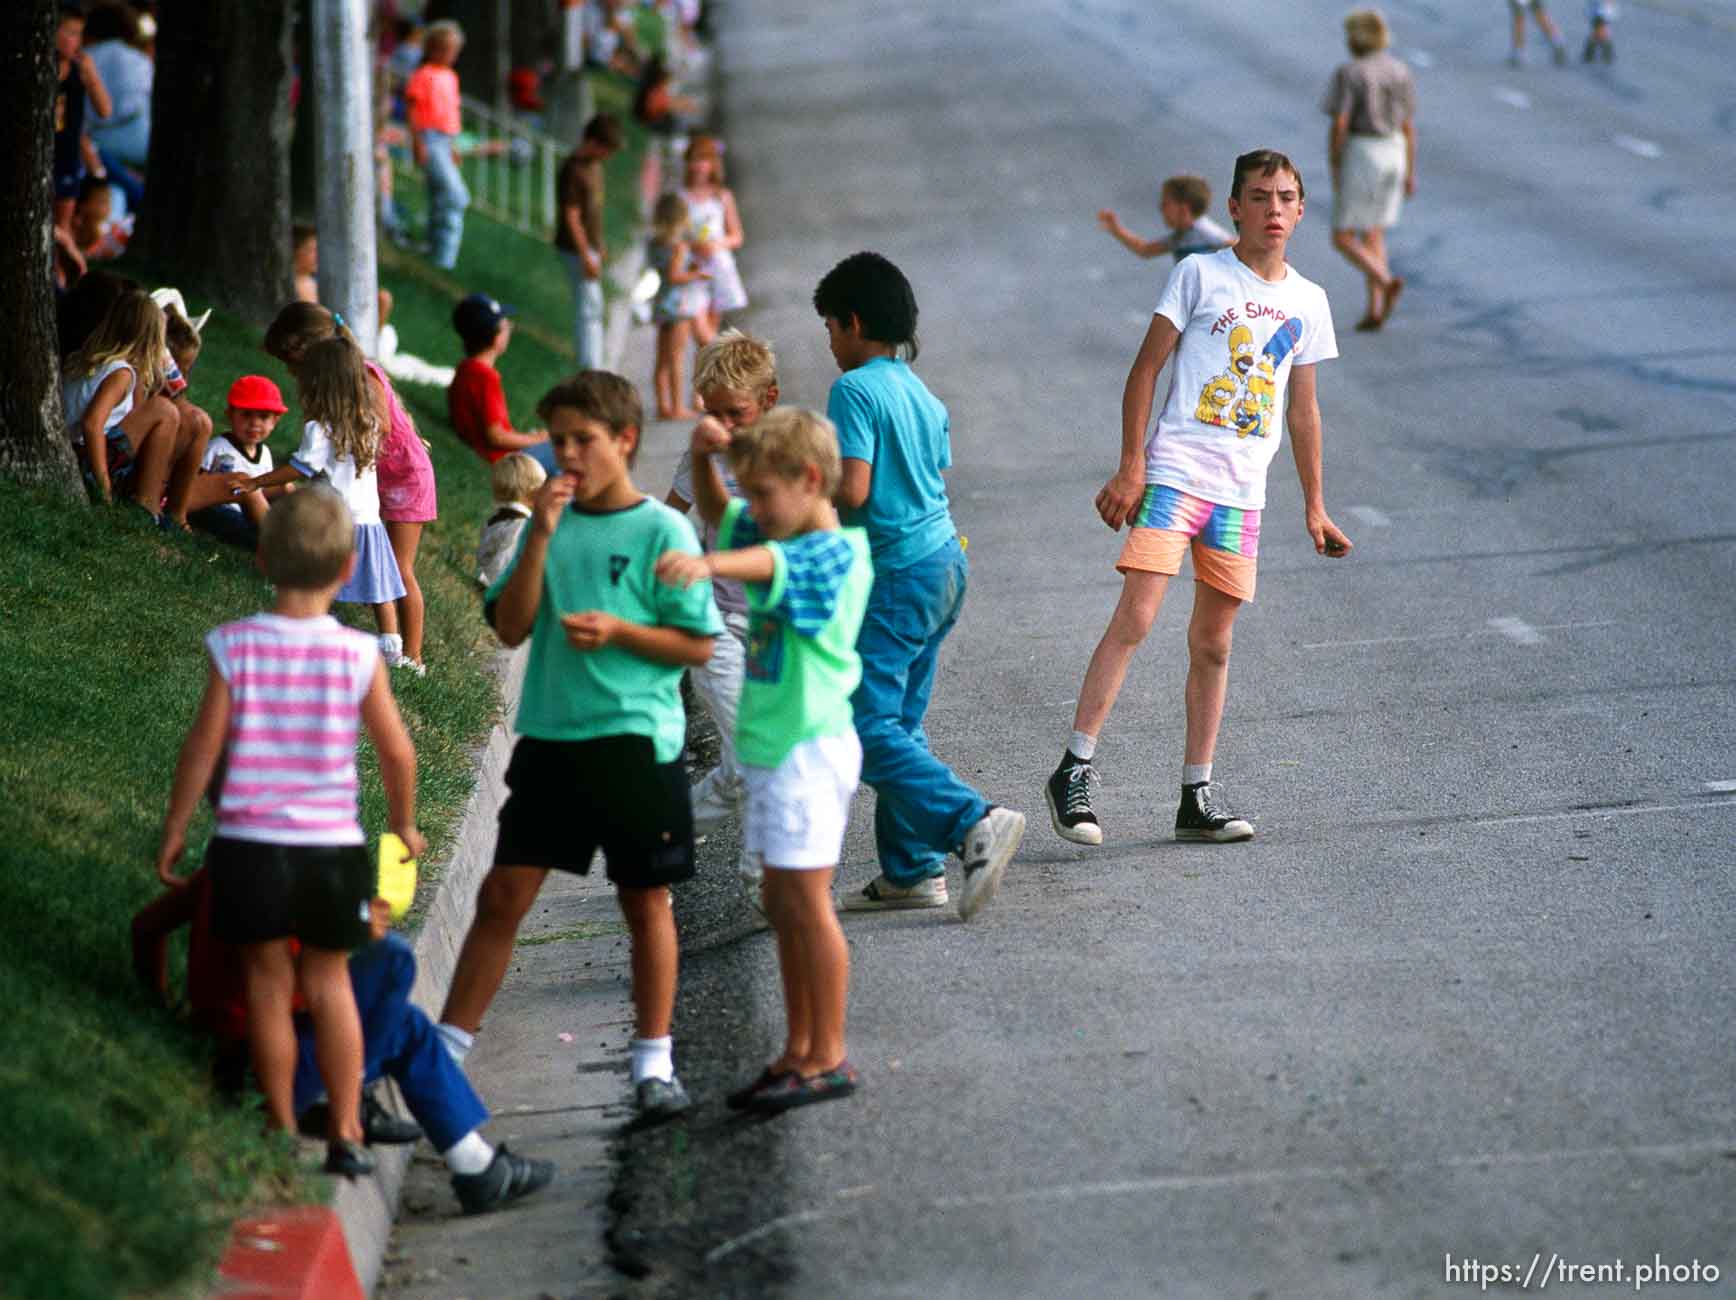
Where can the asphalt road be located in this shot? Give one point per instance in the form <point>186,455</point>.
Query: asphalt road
<point>1468,994</point>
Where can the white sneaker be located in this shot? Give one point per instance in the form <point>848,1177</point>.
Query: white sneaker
<point>881,895</point>
<point>415,667</point>
<point>988,848</point>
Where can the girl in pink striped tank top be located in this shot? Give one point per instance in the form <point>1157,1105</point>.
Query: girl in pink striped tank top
<point>275,742</point>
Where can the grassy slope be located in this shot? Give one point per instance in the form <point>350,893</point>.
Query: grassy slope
<point>118,1174</point>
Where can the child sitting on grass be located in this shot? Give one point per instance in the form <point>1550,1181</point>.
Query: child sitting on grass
<point>516,480</point>
<point>254,407</point>
<point>1183,201</point>
<point>807,586</point>
<point>341,444</point>
<point>476,399</point>
<point>126,432</point>
<point>598,763</point>
<point>288,860</point>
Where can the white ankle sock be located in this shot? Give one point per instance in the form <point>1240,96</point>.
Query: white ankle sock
<point>391,647</point>
<point>1195,773</point>
<point>455,1040</point>
<point>652,1058</point>
<point>469,1155</point>
<point>1082,746</point>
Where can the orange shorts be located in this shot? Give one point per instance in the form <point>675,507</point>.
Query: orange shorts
<point>1224,540</point>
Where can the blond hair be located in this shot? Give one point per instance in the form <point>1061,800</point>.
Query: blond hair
<point>306,539</point>
<point>706,146</point>
<point>437,34</point>
<point>1366,31</point>
<point>332,384</point>
<point>517,477</point>
<point>668,218</point>
<point>133,330</point>
<point>302,324</point>
<point>785,441</point>
<point>1193,192</point>
<point>738,361</point>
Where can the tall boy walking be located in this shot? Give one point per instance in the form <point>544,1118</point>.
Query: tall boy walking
<point>895,441</point>
<point>1247,331</point>
<point>598,764</point>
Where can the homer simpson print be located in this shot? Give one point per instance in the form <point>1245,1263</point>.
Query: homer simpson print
<point>1244,396</point>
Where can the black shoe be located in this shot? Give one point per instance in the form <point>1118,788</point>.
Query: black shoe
<point>507,1178</point>
<point>1201,817</point>
<point>381,1127</point>
<point>348,1159</point>
<point>1068,794</point>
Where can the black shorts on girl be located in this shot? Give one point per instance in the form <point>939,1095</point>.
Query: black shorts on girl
<point>568,798</point>
<point>318,893</point>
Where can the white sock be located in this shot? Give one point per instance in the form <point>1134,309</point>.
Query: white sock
<point>1195,773</point>
<point>469,1155</point>
<point>1082,745</point>
<point>653,1058</point>
<point>391,647</point>
<point>455,1040</point>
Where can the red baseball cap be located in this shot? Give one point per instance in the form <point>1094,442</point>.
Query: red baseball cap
<point>256,393</point>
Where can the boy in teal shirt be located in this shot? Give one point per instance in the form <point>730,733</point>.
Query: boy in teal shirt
<point>598,764</point>
<point>807,582</point>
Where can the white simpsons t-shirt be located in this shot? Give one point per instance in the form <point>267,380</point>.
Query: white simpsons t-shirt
<point>1240,335</point>
<point>317,456</point>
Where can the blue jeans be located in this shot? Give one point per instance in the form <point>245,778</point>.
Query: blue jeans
<point>398,1041</point>
<point>447,198</point>
<point>923,810</point>
<point>587,314</point>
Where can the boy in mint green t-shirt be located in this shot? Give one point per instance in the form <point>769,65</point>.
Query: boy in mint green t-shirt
<point>807,583</point>
<point>598,763</point>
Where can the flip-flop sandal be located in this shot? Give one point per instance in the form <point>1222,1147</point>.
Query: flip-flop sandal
<point>748,1098</point>
<point>804,1090</point>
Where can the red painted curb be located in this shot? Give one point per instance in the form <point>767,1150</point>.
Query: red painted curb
<point>291,1254</point>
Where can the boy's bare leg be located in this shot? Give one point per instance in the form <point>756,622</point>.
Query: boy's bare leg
<point>651,925</point>
<point>1208,669</point>
<point>269,971</point>
<point>1141,597</point>
<point>152,428</point>
<point>406,538</point>
<point>798,1010</point>
<point>825,970</point>
<point>191,437</point>
<point>337,1037</point>
<point>501,904</point>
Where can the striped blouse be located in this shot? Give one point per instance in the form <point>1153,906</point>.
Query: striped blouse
<point>295,690</point>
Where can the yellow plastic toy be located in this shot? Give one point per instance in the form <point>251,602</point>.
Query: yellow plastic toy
<point>397,883</point>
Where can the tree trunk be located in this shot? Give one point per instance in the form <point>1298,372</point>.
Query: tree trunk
<point>348,273</point>
<point>216,211</point>
<point>33,444</point>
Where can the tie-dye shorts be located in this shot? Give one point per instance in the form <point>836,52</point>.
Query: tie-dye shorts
<point>1167,522</point>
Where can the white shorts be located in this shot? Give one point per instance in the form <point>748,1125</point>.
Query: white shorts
<point>1370,188</point>
<point>797,811</point>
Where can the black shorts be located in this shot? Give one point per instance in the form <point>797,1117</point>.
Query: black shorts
<point>318,893</point>
<point>568,798</point>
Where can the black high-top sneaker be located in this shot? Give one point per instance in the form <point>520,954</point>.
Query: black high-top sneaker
<point>1068,794</point>
<point>1202,817</point>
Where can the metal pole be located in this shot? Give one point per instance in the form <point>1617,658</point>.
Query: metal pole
<point>342,70</point>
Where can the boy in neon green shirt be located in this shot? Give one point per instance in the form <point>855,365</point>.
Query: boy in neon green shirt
<point>807,583</point>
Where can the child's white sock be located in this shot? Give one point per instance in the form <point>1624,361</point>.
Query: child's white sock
<point>652,1058</point>
<point>391,648</point>
<point>471,1154</point>
<point>1195,773</point>
<point>455,1040</point>
<point>1082,746</point>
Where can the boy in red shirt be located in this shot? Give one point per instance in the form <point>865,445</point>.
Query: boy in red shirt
<point>475,400</point>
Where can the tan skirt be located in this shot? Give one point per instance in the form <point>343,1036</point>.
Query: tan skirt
<point>1370,188</point>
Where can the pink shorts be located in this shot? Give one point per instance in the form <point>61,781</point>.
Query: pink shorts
<point>1167,523</point>
<point>406,475</point>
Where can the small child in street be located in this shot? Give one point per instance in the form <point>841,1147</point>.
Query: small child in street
<point>1600,13</point>
<point>895,438</point>
<point>714,229</point>
<point>807,583</point>
<point>1183,201</point>
<point>737,380</point>
<point>515,479</point>
<point>680,302</point>
<point>289,860</point>
<point>598,763</point>
<point>254,407</point>
<point>1198,481</point>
